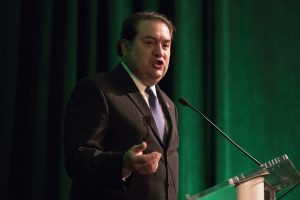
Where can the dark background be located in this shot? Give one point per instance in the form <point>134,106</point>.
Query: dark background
<point>237,61</point>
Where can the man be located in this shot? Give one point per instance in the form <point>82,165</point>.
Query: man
<point>121,134</point>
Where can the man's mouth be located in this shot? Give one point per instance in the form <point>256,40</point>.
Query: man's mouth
<point>158,64</point>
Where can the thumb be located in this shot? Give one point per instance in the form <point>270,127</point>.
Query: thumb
<point>138,149</point>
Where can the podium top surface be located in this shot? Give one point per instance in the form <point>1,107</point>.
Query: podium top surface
<point>279,174</point>
<point>282,173</point>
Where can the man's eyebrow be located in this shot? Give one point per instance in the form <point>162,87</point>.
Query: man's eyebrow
<point>154,38</point>
<point>149,37</point>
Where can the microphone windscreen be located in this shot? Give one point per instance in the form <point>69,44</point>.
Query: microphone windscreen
<point>183,102</point>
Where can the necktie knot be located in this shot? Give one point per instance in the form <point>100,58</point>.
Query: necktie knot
<point>152,98</point>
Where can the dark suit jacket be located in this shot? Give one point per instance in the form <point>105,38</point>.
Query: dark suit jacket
<point>107,115</point>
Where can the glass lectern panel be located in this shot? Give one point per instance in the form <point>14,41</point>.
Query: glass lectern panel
<point>282,173</point>
<point>279,174</point>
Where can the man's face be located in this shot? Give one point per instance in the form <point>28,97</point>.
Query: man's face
<point>149,53</point>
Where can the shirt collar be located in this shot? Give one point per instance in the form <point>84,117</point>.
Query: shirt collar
<point>137,82</point>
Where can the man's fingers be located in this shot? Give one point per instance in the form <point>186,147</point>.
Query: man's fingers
<point>146,158</point>
<point>135,160</point>
<point>138,149</point>
<point>147,167</point>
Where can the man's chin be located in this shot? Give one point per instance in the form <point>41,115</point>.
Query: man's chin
<point>152,81</point>
<point>156,80</point>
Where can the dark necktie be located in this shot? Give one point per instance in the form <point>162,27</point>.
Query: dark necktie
<point>157,113</point>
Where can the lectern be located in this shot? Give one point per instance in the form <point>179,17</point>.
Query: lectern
<point>261,183</point>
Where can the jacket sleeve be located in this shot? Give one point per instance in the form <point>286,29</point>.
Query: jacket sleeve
<point>86,126</point>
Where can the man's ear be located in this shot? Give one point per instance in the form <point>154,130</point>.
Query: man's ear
<point>125,47</point>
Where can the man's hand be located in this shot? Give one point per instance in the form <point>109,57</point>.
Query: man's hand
<point>135,161</point>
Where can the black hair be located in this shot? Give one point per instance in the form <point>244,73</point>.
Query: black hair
<point>129,27</point>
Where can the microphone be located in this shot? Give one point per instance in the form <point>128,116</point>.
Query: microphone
<point>185,103</point>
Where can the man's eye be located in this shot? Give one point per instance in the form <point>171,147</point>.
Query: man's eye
<point>166,46</point>
<point>148,42</point>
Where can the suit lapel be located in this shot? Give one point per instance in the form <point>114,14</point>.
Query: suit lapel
<point>139,101</point>
<point>131,90</point>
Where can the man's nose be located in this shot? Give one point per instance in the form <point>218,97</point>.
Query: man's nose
<point>158,50</point>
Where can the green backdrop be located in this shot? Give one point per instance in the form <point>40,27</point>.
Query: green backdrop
<point>236,61</point>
